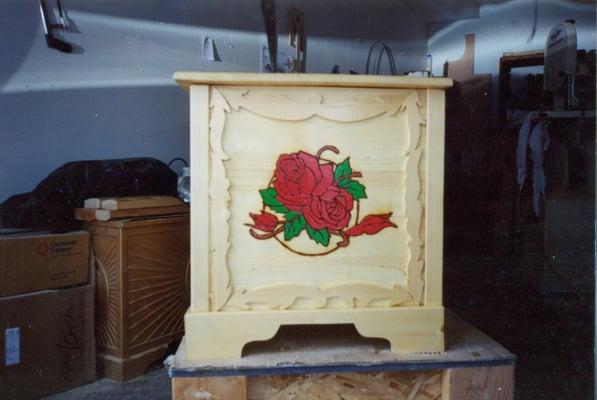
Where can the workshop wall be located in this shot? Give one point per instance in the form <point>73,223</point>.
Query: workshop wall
<point>115,96</point>
<point>507,27</point>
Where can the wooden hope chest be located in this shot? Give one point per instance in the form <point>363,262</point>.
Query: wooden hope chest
<point>316,199</point>
<point>142,290</point>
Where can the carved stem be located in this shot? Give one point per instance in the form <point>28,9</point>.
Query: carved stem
<point>265,235</point>
<point>326,148</point>
<point>300,253</point>
<point>345,239</point>
<point>355,174</point>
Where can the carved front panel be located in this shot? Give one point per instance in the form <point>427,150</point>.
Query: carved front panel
<point>142,284</point>
<point>317,198</point>
<point>158,296</point>
<point>108,295</point>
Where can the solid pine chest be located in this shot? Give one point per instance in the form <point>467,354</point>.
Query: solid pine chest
<point>316,199</point>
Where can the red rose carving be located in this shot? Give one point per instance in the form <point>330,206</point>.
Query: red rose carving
<point>330,210</point>
<point>298,176</point>
<point>265,222</point>
<point>314,196</point>
<point>372,224</point>
<point>304,185</point>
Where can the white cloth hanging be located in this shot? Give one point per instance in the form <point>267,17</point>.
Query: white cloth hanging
<point>538,140</point>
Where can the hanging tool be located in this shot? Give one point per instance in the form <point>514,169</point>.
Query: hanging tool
<point>63,19</point>
<point>296,32</point>
<point>560,65</point>
<point>51,40</point>
<point>268,8</point>
<point>384,49</point>
<point>535,22</point>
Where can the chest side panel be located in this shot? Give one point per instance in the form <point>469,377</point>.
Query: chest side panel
<point>317,197</point>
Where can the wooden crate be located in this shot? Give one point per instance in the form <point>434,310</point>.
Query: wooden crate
<point>316,199</point>
<point>142,292</point>
<point>336,364</point>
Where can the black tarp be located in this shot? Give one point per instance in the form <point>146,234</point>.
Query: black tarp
<point>50,205</point>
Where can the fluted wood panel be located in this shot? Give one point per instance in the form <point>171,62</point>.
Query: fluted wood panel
<point>107,291</point>
<point>142,290</point>
<point>157,292</point>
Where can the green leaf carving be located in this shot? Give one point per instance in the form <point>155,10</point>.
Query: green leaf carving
<point>341,174</point>
<point>294,227</point>
<point>342,169</point>
<point>321,236</point>
<point>356,189</point>
<point>269,199</point>
<point>291,215</point>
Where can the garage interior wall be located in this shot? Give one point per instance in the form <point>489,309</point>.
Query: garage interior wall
<point>116,97</point>
<point>507,27</point>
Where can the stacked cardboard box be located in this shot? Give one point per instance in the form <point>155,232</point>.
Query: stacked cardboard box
<point>34,261</point>
<point>46,314</point>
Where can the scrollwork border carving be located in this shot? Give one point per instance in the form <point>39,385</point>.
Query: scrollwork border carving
<point>227,99</point>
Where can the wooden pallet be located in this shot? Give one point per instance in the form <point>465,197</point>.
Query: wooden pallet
<point>334,362</point>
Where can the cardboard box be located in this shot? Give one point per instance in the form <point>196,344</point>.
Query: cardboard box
<point>47,343</point>
<point>30,262</point>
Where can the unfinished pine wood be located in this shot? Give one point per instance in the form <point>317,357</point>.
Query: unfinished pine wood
<point>239,129</point>
<point>219,205</point>
<point>478,383</point>
<point>133,202</point>
<point>327,362</point>
<point>142,291</point>
<point>408,329</point>
<point>341,348</point>
<point>92,214</point>
<point>424,385</point>
<point>210,388</point>
<point>188,78</point>
<point>94,202</point>
<point>85,214</point>
<point>106,215</point>
<point>387,264</point>
<point>495,383</point>
<point>434,221</point>
<point>200,206</point>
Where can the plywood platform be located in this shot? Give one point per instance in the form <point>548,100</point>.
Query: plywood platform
<point>321,358</point>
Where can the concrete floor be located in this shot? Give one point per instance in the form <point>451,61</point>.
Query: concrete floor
<point>550,333</point>
<point>501,294</point>
<point>551,337</point>
<point>154,385</point>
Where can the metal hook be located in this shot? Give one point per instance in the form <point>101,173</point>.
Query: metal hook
<point>52,41</point>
